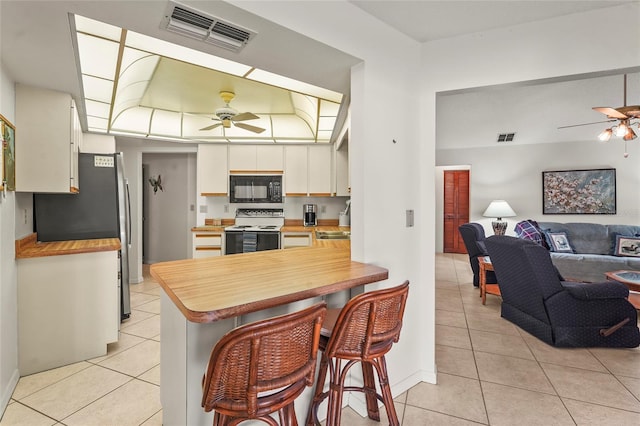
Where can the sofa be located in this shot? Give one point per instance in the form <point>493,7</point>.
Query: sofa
<point>585,251</point>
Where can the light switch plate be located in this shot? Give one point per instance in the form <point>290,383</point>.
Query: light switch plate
<point>409,218</point>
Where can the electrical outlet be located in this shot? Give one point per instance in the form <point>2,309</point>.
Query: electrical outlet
<point>323,209</point>
<point>203,209</point>
<point>25,216</point>
<point>226,208</point>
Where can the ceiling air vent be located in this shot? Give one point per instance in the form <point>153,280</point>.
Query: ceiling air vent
<point>191,23</point>
<point>506,137</point>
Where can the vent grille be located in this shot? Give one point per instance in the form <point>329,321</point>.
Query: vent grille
<point>506,137</point>
<point>209,29</point>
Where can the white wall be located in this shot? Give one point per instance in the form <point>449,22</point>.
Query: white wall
<point>8,273</point>
<point>384,165</point>
<point>549,49</point>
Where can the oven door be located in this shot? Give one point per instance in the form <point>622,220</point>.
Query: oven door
<point>250,241</point>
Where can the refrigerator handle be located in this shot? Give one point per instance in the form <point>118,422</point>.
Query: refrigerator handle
<point>126,184</point>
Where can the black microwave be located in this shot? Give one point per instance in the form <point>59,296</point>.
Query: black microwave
<point>255,188</point>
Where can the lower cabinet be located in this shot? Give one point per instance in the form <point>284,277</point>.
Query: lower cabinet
<point>296,239</point>
<point>67,309</point>
<point>207,244</point>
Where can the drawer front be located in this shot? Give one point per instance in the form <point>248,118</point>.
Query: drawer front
<point>204,239</point>
<point>296,240</point>
<point>202,252</point>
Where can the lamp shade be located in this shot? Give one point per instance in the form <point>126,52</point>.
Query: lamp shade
<point>499,209</point>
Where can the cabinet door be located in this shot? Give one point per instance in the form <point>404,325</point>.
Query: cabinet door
<point>45,150</point>
<point>343,185</point>
<point>320,170</point>
<point>296,170</point>
<point>270,158</point>
<point>212,170</point>
<point>242,158</point>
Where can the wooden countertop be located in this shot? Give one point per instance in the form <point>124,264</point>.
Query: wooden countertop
<point>206,290</point>
<point>29,247</point>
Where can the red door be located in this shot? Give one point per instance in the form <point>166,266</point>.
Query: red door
<point>456,209</point>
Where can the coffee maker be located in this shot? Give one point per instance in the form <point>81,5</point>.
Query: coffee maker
<point>310,217</point>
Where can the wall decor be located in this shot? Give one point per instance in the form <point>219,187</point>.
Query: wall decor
<point>7,135</point>
<point>579,191</point>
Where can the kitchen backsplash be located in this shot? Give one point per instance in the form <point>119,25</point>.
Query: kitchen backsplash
<point>328,207</point>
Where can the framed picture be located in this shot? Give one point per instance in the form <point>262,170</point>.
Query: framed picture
<point>8,134</point>
<point>579,191</point>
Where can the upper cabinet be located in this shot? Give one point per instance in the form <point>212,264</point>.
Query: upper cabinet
<point>212,170</point>
<point>48,136</point>
<point>256,159</point>
<point>308,170</point>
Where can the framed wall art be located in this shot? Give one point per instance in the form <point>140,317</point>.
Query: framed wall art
<point>590,191</point>
<point>8,135</point>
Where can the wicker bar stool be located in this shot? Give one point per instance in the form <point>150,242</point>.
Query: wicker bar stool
<point>362,331</point>
<point>262,367</point>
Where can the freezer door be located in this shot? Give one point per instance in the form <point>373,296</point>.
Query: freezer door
<point>124,216</point>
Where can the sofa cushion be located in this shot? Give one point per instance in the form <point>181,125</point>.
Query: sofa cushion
<point>587,238</point>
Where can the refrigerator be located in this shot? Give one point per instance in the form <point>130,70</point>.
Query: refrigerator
<point>100,210</point>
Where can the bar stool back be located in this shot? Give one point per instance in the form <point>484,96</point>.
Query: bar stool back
<point>364,330</point>
<point>261,367</point>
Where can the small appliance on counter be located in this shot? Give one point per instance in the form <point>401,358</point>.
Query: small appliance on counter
<point>309,213</point>
<point>343,218</point>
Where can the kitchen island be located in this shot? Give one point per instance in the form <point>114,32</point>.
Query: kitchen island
<point>205,298</point>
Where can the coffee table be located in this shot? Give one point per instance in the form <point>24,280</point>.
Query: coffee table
<point>632,280</point>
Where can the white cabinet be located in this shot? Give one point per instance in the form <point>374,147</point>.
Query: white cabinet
<point>296,170</point>
<point>308,170</point>
<point>61,319</point>
<point>48,137</point>
<point>256,159</point>
<point>212,170</point>
<point>320,170</point>
<point>207,244</point>
<point>296,239</point>
<point>343,183</point>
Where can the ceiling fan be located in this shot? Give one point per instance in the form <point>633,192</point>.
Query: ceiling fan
<point>623,115</point>
<point>227,115</point>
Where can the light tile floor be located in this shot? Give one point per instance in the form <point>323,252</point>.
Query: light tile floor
<point>489,372</point>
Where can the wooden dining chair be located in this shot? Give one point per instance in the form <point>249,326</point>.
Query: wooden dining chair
<point>260,368</point>
<point>363,331</point>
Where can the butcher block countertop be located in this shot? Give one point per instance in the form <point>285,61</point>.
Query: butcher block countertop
<point>210,289</point>
<point>29,247</point>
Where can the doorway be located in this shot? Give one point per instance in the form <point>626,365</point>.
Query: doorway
<point>456,209</point>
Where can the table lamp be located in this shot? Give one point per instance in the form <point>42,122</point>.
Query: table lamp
<point>499,209</point>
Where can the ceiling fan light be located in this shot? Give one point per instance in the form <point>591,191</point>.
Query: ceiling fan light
<point>622,129</point>
<point>226,123</point>
<point>605,135</point>
<point>631,135</point>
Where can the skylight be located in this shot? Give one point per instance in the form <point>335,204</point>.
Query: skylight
<point>127,85</point>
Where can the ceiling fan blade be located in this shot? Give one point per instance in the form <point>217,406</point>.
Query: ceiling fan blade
<point>630,111</point>
<point>249,127</point>
<point>245,116</point>
<point>611,112</point>
<point>586,124</point>
<point>213,126</point>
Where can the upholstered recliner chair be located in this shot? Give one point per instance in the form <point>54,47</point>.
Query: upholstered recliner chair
<point>473,237</point>
<point>568,314</point>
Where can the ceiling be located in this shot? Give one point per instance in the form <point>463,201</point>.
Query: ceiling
<point>37,50</point>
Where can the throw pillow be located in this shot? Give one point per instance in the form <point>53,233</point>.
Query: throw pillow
<point>559,242</point>
<point>627,246</point>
